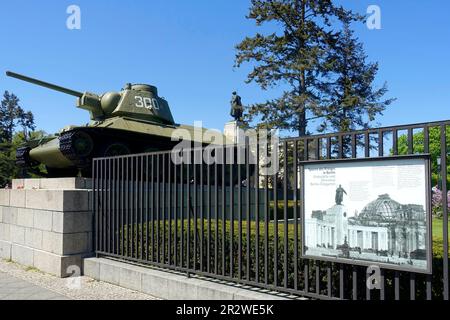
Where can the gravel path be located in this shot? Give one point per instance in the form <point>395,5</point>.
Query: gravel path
<point>80,288</point>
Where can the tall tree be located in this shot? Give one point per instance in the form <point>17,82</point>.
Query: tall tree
<point>297,56</point>
<point>353,101</point>
<point>12,115</point>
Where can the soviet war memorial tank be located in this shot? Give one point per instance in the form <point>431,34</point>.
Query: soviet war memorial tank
<point>134,120</point>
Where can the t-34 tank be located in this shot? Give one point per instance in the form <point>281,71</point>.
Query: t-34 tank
<point>134,120</point>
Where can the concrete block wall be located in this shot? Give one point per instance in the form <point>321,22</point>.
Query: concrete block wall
<point>47,223</point>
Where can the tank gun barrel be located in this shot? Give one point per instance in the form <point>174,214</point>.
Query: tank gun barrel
<point>44,84</point>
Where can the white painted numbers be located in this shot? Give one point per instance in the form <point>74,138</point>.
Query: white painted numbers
<point>374,19</point>
<point>146,102</point>
<point>73,22</point>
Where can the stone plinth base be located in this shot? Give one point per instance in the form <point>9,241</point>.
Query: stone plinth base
<point>171,285</point>
<point>231,131</point>
<point>47,224</point>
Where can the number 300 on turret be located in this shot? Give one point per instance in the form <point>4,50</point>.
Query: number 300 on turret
<point>146,102</point>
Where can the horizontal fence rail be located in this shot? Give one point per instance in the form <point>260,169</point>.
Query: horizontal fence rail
<point>230,222</point>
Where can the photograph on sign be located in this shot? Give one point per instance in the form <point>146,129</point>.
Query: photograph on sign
<point>371,212</point>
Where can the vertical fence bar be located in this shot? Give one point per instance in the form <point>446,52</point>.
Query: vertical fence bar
<point>176,215</point>
<point>194,211</point>
<point>163,207</point>
<point>395,142</point>
<point>296,188</point>
<point>141,218</point>
<point>248,186</point>
<point>95,188</point>
<point>122,207</point>
<point>188,209</point>
<point>126,243</point>
<point>104,205</point>
<point>216,216</point>
<point>305,158</point>
<point>341,282</point>
<point>182,213</point>
<point>239,187</point>
<point>202,223</point>
<point>153,205</point>
<point>224,209</point>
<point>195,205</point>
<point>147,209</point>
<point>118,229</point>
<point>208,209</point>
<point>354,145</point>
<point>231,215</point>
<point>131,208</point>
<point>366,144</point>
<point>257,211</point>
<point>266,228</point>
<point>444,208</point>
<point>380,143</point>
<point>136,208</point>
<point>113,206</point>
<point>158,208</point>
<point>170,209</point>
<point>410,141</point>
<point>285,203</point>
<point>110,208</point>
<point>275,228</point>
<point>426,141</point>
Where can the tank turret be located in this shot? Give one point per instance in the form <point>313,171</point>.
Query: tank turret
<point>139,101</point>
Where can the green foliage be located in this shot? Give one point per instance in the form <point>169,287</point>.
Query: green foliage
<point>434,148</point>
<point>8,168</point>
<point>13,117</point>
<point>353,101</point>
<point>318,64</point>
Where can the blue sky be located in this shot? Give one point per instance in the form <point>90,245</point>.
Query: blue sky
<point>186,49</point>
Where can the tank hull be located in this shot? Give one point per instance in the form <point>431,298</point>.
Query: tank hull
<point>115,136</point>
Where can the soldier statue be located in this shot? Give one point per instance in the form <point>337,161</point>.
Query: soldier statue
<point>340,195</point>
<point>237,109</point>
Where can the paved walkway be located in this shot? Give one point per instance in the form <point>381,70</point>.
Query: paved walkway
<point>12,288</point>
<point>18,282</point>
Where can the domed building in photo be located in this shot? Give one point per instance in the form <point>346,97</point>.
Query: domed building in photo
<point>385,230</point>
<point>389,228</point>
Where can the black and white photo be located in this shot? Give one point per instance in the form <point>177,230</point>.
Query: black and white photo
<point>374,212</point>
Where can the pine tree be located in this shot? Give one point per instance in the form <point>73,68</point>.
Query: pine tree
<point>297,57</point>
<point>9,112</point>
<point>12,115</point>
<point>353,101</point>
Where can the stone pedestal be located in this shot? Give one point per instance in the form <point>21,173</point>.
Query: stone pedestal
<point>231,131</point>
<point>47,224</point>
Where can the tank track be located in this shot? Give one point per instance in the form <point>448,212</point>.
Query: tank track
<point>67,149</point>
<point>23,159</point>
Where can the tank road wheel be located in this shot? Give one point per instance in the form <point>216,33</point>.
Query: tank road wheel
<point>115,149</point>
<point>82,144</point>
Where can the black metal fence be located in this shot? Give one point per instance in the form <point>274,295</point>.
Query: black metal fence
<point>226,221</point>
